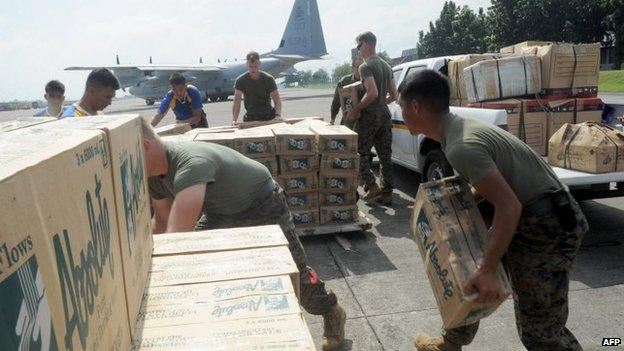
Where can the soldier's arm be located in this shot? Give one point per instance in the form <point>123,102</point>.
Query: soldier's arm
<point>277,103</point>
<point>371,94</point>
<point>156,119</point>
<point>335,105</point>
<point>393,94</point>
<point>196,117</point>
<point>186,209</point>
<point>162,207</point>
<point>238,96</point>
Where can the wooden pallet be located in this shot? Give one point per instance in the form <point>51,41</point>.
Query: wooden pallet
<point>362,224</point>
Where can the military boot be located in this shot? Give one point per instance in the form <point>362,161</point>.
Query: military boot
<point>371,192</point>
<point>424,342</point>
<point>334,328</point>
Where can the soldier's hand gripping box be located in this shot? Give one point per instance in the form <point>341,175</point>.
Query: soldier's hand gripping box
<point>60,261</point>
<point>335,139</point>
<point>451,236</point>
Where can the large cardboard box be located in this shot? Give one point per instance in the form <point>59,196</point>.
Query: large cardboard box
<point>287,332</point>
<point>339,214</point>
<point>561,112</point>
<point>587,147</point>
<point>23,122</point>
<point>298,164</point>
<point>218,240</point>
<point>588,110</point>
<point>312,122</point>
<point>338,181</point>
<point>337,163</point>
<point>451,237</point>
<point>532,125</point>
<point>566,66</point>
<point>255,143</point>
<point>520,47</point>
<point>349,96</point>
<point>221,138</point>
<point>294,140</point>
<point>329,198</point>
<point>456,74</point>
<point>61,279</point>
<point>299,182</point>
<point>503,78</point>
<point>303,201</point>
<point>173,129</point>
<point>131,200</point>
<point>306,218</point>
<point>335,139</point>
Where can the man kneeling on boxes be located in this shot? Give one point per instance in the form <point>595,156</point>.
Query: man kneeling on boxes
<point>208,186</point>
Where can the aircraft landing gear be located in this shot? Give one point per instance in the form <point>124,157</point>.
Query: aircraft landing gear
<point>149,102</point>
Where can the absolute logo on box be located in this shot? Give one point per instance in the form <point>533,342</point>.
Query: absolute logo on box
<point>133,186</point>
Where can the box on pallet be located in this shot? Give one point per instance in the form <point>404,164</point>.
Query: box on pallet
<point>270,163</point>
<point>132,202</point>
<point>349,96</point>
<point>223,138</point>
<point>173,129</point>
<point>299,182</point>
<point>23,122</point>
<point>339,214</point>
<point>60,283</point>
<point>456,75</point>
<point>286,332</point>
<point>587,147</point>
<point>294,140</point>
<point>218,240</point>
<point>255,143</point>
<point>588,110</point>
<point>532,125</point>
<point>335,139</point>
<point>337,163</point>
<point>561,112</point>
<point>502,78</point>
<point>306,218</point>
<point>450,233</point>
<point>329,198</point>
<point>338,181</point>
<point>298,164</point>
<point>300,201</point>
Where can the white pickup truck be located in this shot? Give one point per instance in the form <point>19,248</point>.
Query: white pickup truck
<point>423,155</point>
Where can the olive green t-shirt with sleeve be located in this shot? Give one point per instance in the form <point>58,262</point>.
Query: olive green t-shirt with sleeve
<point>232,180</point>
<point>382,72</point>
<point>475,149</point>
<point>256,93</point>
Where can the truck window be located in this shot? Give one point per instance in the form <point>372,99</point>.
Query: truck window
<point>414,69</point>
<point>397,75</point>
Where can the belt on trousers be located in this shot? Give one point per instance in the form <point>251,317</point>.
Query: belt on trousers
<point>543,204</point>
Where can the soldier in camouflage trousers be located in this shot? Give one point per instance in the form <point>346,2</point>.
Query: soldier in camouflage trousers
<point>375,129</point>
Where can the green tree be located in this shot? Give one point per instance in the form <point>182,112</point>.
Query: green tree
<point>306,77</point>
<point>320,76</point>
<point>614,24</point>
<point>341,71</point>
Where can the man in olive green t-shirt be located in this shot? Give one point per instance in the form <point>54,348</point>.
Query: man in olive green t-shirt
<point>537,227</point>
<point>257,89</point>
<point>374,124</point>
<point>197,185</point>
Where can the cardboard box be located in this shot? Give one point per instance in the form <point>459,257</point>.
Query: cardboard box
<point>587,147</point>
<point>132,199</point>
<point>287,332</point>
<point>502,78</point>
<point>219,291</point>
<point>520,47</point>
<point>337,198</point>
<point>450,233</point>
<point>218,240</point>
<point>532,126</point>
<point>293,140</point>
<point>338,181</point>
<point>173,129</point>
<point>270,163</point>
<point>303,201</point>
<point>456,74</point>
<point>588,110</point>
<point>336,163</point>
<point>300,182</point>
<point>23,122</point>
<point>222,138</point>
<point>569,65</point>
<point>312,122</point>
<point>339,214</point>
<point>513,107</point>
<point>349,96</point>
<point>561,112</point>
<point>335,139</point>
<point>222,266</point>
<point>306,218</point>
<point>61,278</point>
<point>255,143</point>
<point>298,164</point>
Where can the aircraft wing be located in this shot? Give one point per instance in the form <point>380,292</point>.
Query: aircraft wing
<point>154,68</point>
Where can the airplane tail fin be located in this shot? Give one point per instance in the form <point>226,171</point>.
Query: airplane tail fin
<point>304,32</point>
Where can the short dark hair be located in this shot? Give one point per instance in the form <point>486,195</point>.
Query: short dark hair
<point>102,77</point>
<point>54,86</point>
<point>367,37</point>
<point>253,56</point>
<point>429,87</point>
<point>177,79</point>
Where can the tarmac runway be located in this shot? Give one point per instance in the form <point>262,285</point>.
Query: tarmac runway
<point>381,281</point>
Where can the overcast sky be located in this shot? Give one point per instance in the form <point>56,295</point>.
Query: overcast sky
<point>39,39</point>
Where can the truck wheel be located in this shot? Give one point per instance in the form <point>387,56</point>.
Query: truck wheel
<point>436,166</point>
<point>149,102</point>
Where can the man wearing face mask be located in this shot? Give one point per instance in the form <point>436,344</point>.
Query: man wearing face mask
<point>99,93</point>
<point>186,102</point>
<point>55,96</point>
<point>258,89</point>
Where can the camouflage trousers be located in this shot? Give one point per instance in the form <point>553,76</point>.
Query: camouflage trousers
<point>538,263</point>
<point>375,129</point>
<point>273,209</point>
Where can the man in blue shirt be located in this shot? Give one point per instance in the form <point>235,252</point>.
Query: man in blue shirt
<point>185,101</point>
<point>100,90</point>
<point>55,96</point>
